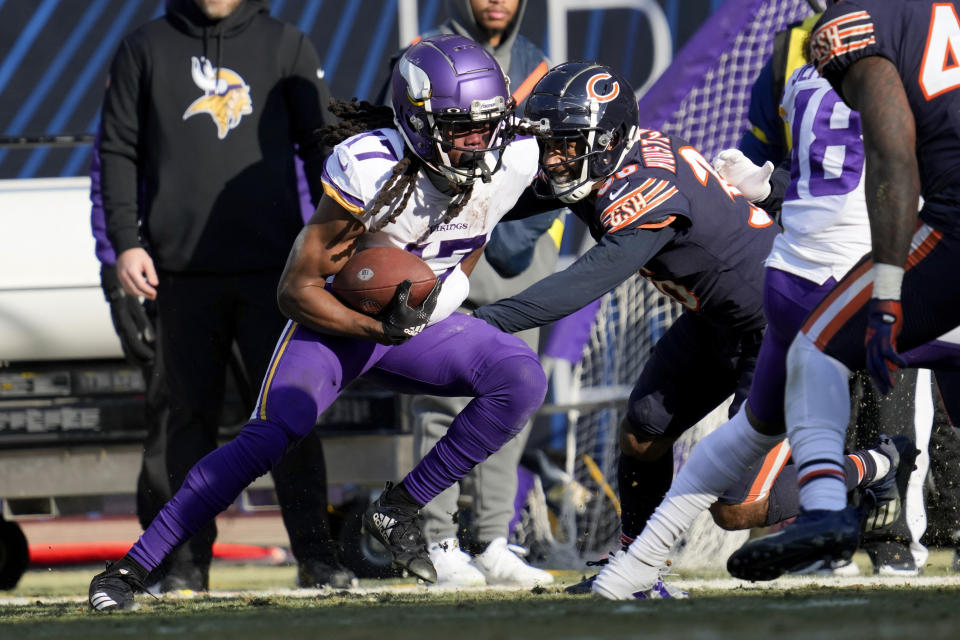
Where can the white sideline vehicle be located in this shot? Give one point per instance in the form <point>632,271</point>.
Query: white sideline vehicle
<point>71,406</point>
<point>63,379</point>
<point>51,305</point>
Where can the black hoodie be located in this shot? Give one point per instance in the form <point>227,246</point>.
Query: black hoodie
<point>204,114</point>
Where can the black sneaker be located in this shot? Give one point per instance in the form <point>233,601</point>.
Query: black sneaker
<point>114,588</point>
<point>186,577</point>
<point>891,558</point>
<point>395,525</point>
<point>316,574</point>
<point>885,496</point>
<point>585,586</point>
<point>815,535</point>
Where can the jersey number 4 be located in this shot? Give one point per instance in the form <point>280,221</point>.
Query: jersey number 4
<point>940,69</point>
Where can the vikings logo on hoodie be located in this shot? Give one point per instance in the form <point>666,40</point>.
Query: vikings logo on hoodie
<point>226,96</point>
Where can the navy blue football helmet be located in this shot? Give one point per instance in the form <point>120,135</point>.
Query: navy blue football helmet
<point>584,106</point>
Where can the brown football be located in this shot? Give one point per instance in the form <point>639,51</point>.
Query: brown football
<point>369,279</point>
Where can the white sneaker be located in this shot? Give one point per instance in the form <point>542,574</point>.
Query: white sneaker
<point>454,568</point>
<point>501,564</point>
<point>627,578</point>
<point>895,571</point>
<point>844,568</point>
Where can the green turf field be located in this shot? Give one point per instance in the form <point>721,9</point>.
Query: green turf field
<point>257,602</point>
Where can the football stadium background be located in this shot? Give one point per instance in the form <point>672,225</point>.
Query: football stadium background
<point>55,54</point>
<point>54,57</point>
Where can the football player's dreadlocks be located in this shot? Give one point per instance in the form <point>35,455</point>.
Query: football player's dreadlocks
<point>358,117</point>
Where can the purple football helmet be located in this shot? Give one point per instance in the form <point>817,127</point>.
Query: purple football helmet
<point>443,86</point>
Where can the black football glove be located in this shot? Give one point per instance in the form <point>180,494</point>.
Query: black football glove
<point>401,321</point>
<point>130,319</point>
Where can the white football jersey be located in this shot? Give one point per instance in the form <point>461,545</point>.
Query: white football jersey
<point>358,168</point>
<point>826,229</point>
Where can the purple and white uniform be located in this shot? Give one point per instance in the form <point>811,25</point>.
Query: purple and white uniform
<point>456,356</point>
<point>825,225</point>
<point>358,168</point>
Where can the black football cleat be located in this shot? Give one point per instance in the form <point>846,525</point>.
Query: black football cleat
<point>113,588</point>
<point>317,574</point>
<point>585,586</point>
<point>815,535</point>
<point>582,588</point>
<point>395,525</point>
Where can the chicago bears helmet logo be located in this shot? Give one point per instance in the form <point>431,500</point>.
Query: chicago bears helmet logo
<point>226,96</point>
<point>614,89</point>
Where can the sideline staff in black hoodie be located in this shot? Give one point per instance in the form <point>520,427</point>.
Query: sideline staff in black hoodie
<point>202,111</point>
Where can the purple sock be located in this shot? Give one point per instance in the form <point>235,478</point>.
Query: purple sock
<point>210,487</point>
<point>507,395</point>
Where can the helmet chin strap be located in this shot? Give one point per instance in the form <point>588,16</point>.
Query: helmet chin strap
<point>587,184</point>
<point>577,194</point>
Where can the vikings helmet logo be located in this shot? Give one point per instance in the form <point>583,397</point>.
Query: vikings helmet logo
<point>226,96</point>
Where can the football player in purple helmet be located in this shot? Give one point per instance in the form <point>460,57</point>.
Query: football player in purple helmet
<point>436,113</point>
<point>410,183</point>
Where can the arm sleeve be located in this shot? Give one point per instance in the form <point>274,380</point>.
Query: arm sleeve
<point>511,245</point>
<point>616,257</point>
<point>308,99</point>
<point>779,181</point>
<point>530,205</point>
<point>98,220</point>
<point>119,150</point>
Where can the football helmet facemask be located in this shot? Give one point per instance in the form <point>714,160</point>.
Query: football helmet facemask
<point>448,90</point>
<point>585,117</point>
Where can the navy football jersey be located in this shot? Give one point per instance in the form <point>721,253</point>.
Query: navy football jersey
<point>920,37</point>
<point>714,263</point>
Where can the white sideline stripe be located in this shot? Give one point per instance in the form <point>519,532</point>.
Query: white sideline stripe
<point>786,583</point>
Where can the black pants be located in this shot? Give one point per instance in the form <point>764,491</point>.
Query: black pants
<point>943,501</point>
<point>199,318</point>
<point>873,414</point>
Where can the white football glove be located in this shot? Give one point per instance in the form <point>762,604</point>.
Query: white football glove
<point>737,169</point>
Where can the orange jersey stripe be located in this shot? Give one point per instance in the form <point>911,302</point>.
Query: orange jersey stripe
<point>850,17</point>
<point>638,191</point>
<point>841,318</point>
<point>813,475</point>
<point>858,463</point>
<point>659,225</point>
<point>650,206</point>
<point>924,241</point>
<point>772,465</point>
<point>924,248</point>
<point>527,85</point>
<point>836,293</point>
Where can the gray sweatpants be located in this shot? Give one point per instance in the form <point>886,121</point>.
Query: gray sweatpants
<point>493,483</point>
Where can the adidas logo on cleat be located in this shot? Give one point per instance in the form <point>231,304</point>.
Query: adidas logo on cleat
<point>383,521</point>
<point>101,601</point>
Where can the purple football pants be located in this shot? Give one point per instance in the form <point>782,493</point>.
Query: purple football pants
<point>459,356</point>
<point>787,300</point>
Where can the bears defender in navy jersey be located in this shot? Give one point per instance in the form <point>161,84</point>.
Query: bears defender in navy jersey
<point>657,207</point>
<point>667,214</point>
<point>920,39</point>
<point>894,62</point>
